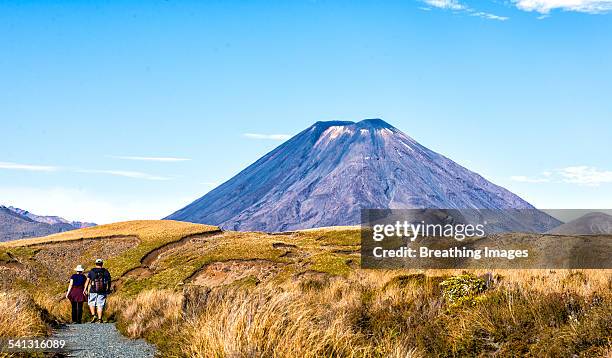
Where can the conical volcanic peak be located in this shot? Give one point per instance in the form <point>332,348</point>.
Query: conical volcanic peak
<point>326,174</point>
<point>371,123</point>
<point>327,124</point>
<point>375,123</point>
<point>330,132</point>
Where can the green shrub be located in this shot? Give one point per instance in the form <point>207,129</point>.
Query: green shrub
<point>462,289</point>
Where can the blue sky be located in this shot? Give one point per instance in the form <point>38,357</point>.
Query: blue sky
<point>123,110</point>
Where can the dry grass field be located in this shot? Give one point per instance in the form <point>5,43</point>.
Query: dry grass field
<point>196,291</point>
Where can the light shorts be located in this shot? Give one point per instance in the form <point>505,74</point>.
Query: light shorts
<point>96,299</point>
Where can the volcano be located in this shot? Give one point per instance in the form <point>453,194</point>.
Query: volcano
<point>326,174</point>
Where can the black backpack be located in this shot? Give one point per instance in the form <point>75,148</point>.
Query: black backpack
<point>100,281</point>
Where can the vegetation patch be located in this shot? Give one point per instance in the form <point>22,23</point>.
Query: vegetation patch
<point>463,289</point>
<point>402,281</point>
<point>259,301</point>
<point>330,263</point>
<point>337,236</point>
<point>228,272</point>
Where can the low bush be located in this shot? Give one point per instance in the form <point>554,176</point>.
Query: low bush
<point>463,289</point>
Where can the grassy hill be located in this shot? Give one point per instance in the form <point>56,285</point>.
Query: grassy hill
<point>198,291</point>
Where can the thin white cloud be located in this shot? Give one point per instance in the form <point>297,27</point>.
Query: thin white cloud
<point>455,5</point>
<point>445,4</point>
<point>29,167</point>
<point>149,159</point>
<point>49,168</point>
<point>526,179</point>
<point>486,15</point>
<point>124,173</point>
<point>585,6</point>
<point>585,175</point>
<point>581,175</point>
<point>267,136</point>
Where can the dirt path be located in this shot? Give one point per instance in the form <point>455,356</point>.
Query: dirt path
<point>101,340</point>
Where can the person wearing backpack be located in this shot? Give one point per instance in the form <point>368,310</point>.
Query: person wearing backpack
<point>97,287</point>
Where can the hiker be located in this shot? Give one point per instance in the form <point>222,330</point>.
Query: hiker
<point>76,293</point>
<point>97,287</point>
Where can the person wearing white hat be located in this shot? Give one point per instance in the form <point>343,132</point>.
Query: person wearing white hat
<point>76,293</point>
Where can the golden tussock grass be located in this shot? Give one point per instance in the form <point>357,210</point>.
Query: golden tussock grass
<point>55,307</point>
<point>317,305</point>
<point>382,314</point>
<point>149,311</point>
<point>19,316</point>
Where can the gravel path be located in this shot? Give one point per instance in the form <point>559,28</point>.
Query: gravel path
<point>102,340</point>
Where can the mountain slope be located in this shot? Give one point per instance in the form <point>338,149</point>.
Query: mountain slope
<point>324,175</point>
<point>595,223</point>
<point>51,220</point>
<point>17,224</point>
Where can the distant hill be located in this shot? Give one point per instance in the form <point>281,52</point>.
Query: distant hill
<point>17,224</point>
<point>51,220</point>
<point>327,173</point>
<point>146,254</point>
<point>595,223</point>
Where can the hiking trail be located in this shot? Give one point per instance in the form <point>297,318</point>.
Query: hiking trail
<point>101,340</point>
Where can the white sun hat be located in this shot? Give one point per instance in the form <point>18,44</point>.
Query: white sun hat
<point>79,268</point>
